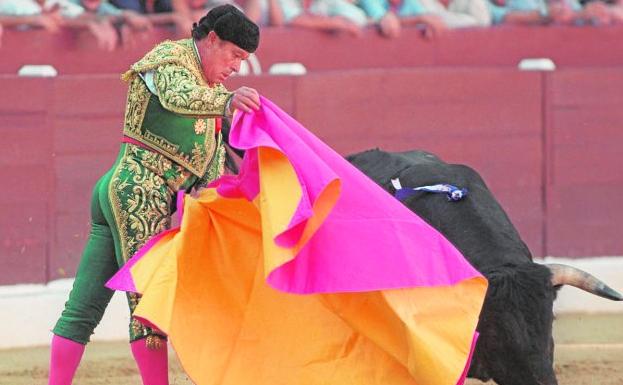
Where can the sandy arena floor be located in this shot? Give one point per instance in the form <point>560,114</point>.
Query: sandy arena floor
<point>589,351</point>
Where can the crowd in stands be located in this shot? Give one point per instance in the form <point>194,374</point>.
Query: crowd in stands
<point>115,22</point>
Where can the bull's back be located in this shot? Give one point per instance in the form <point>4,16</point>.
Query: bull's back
<point>476,225</point>
<point>381,166</point>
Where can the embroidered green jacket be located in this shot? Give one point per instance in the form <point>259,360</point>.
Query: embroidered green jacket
<point>178,119</point>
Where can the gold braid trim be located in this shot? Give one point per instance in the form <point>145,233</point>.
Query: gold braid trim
<point>136,106</point>
<point>194,163</point>
<point>168,52</point>
<point>154,342</point>
<point>180,92</point>
<point>128,76</point>
<point>179,79</point>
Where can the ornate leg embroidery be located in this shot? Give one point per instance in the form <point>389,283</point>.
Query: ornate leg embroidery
<point>141,193</point>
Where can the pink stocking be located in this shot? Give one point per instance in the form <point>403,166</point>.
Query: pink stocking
<point>65,356</point>
<point>152,363</point>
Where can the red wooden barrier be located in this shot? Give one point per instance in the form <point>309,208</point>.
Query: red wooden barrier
<point>26,174</point>
<point>88,117</point>
<point>76,53</point>
<point>585,162</point>
<point>59,135</point>
<point>489,119</point>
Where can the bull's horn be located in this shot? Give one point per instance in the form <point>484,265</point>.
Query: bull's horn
<point>567,275</point>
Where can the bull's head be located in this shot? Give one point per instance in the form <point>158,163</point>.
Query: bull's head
<point>516,345</point>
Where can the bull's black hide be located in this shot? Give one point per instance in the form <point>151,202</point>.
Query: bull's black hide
<point>515,345</point>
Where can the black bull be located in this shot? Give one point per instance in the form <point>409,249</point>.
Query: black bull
<point>515,345</point>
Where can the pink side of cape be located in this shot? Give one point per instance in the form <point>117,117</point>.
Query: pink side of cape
<point>369,241</point>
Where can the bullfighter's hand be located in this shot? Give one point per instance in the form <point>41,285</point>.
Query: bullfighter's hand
<point>136,21</point>
<point>598,13</point>
<point>390,25</point>
<point>245,99</point>
<point>560,13</point>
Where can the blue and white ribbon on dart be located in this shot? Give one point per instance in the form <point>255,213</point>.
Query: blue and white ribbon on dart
<point>454,193</point>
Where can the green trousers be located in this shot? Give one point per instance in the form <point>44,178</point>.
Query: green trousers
<point>131,203</point>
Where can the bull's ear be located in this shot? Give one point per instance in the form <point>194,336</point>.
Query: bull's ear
<point>508,281</point>
<point>568,275</point>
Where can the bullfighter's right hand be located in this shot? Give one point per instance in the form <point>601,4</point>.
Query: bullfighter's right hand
<point>245,99</point>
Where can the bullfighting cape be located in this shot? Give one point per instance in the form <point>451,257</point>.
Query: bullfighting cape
<point>302,271</point>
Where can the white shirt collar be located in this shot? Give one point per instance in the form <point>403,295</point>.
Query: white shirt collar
<point>197,51</point>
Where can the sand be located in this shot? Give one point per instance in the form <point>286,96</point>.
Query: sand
<point>589,351</point>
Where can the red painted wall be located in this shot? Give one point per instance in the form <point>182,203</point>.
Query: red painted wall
<point>546,143</point>
<point>584,162</point>
<point>77,53</point>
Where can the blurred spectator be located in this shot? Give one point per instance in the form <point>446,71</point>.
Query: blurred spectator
<point>94,19</point>
<point>617,11</point>
<point>37,7</point>
<point>144,6</point>
<point>535,11</point>
<point>324,15</point>
<point>23,13</point>
<point>261,12</point>
<point>101,17</point>
<point>597,12</point>
<point>177,12</point>
<point>98,7</point>
<point>264,12</point>
<point>392,15</point>
<point>198,8</point>
<point>206,5</point>
<point>20,7</point>
<point>32,7</point>
<point>460,13</point>
<point>102,8</point>
<point>601,12</point>
<point>96,16</point>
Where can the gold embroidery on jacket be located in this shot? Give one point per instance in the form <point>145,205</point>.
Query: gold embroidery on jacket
<point>180,92</point>
<point>200,126</point>
<point>180,81</point>
<point>196,162</point>
<point>182,89</point>
<point>168,52</point>
<point>141,191</point>
<point>137,102</point>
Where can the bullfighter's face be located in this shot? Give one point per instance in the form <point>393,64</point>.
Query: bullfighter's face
<point>219,58</point>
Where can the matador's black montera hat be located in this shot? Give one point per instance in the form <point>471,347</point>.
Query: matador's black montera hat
<point>230,24</point>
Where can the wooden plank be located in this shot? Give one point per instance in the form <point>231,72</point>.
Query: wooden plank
<point>24,95</point>
<point>88,95</point>
<point>25,139</point>
<point>73,52</point>
<point>490,120</point>
<point>69,242</point>
<point>75,178</point>
<point>279,89</point>
<point>88,135</point>
<point>23,241</point>
<point>587,86</point>
<point>582,221</point>
<point>584,162</point>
